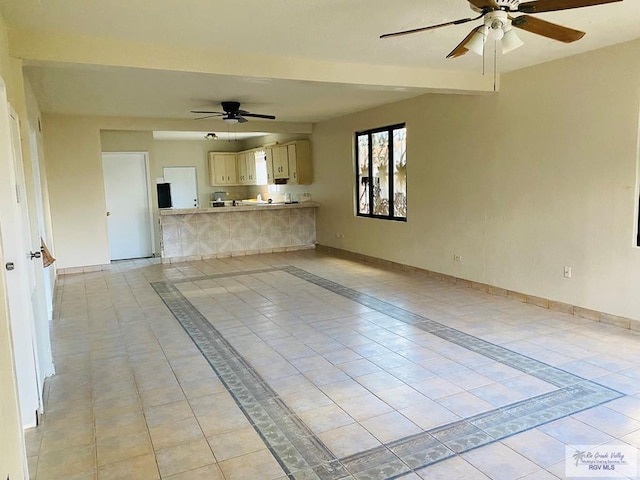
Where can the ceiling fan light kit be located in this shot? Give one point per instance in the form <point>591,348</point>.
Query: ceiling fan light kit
<point>498,23</point>
<point>477,41</point>
<point>510,40</point>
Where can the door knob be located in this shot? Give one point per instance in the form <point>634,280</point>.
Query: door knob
<point>108,213</point>
<point>35,255</point>
<point>9,266</point>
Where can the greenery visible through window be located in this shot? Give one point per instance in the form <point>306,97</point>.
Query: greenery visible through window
<point>381,166</point>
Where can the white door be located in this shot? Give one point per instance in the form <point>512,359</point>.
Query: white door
<point>49,272</point>
<point>184,186</point>
<point>16,247</point>
<point>35,270</point>
<point>128,205</point>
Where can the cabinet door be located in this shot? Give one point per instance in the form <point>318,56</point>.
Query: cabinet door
<point>270,166</point>
<point>241,168</point>
<point>293,164</point>
<point>250,165</point>
<point>217,166</point>
<point>280,162</point>
<point>230,169</point>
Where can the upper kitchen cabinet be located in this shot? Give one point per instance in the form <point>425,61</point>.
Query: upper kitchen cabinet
<point>289,163</point>
<point>278,162</point>
<point>246,168</point>
<point>299,155</point>
<point>222,168</point>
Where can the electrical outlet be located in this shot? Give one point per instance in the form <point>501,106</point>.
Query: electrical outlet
<point>567,271</point>
<point>457,258</point>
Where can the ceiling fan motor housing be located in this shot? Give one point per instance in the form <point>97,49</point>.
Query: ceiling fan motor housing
<point>230,106</point>
<point>506,5</point>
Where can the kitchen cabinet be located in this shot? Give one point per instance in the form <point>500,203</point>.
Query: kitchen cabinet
<point>222,168</point>
<point>277,163</point>
<point>241,168</point>
<point>268,157</point>
<point>246,168</point>
<point>299,155</point>
<point>280,162</point>
<point>290,163</point>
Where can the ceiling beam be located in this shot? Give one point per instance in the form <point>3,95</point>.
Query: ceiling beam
<point>39,47</point>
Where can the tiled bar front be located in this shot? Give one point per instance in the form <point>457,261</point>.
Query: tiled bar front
<point>200,234</point>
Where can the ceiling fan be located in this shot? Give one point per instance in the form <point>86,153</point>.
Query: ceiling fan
<point>232,113</point>
<point>498,23</point>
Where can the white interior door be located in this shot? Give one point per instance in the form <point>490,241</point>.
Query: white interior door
<point>35,271</point>
<point>17,268</point>
<point>128,205</point>
<point>48,274</point>
<point>184,186</point>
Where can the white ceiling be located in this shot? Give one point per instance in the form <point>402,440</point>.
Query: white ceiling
<point>340,34</point>
<point>87,90</point>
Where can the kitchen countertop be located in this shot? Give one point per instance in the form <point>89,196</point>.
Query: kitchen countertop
<point>237,208</point>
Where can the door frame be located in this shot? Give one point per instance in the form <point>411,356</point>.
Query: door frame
<point>147,174</point>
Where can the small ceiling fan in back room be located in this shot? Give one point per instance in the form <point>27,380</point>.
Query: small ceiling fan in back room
<point>232,113</point>
<point>498,23</point>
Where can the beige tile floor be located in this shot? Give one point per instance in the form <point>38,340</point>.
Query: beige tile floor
<point>134,398</point>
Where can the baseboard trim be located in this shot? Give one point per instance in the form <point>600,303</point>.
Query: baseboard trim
<point>238,253</point>
<point>87,269</point>
<point>575,310</point>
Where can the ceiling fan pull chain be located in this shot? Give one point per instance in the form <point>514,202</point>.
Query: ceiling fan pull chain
<point>495,63</point>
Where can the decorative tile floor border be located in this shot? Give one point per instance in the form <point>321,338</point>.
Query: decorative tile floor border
<point>304,457</point>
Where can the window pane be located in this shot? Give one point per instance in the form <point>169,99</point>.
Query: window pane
<point>380,152</point>
<point>400,172</point>
<point>363,174</point>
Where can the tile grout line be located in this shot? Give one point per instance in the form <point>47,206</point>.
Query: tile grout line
<point>269,416</point>
<point>206,337</point>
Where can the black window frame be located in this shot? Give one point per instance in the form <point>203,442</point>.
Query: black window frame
<point>391,165</point>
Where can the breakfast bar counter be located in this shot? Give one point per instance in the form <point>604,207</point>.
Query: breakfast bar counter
<point>204,233</point>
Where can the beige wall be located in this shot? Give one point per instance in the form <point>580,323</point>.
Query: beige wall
<point>76,189</point>
<point>11,444</point>
<point>193,153</point>
<point>73,148</point>
<point>519,184</point>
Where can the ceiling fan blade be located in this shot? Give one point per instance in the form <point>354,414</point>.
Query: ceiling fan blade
<point>241,119</point>
<point>259,115</point>
<point>208,116</point>
<point>431,27</point>
<point>553,5</point>
<point>461,49</point>
<point>484,3</point>
<point>206,111</point>
<point>547,29</point>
